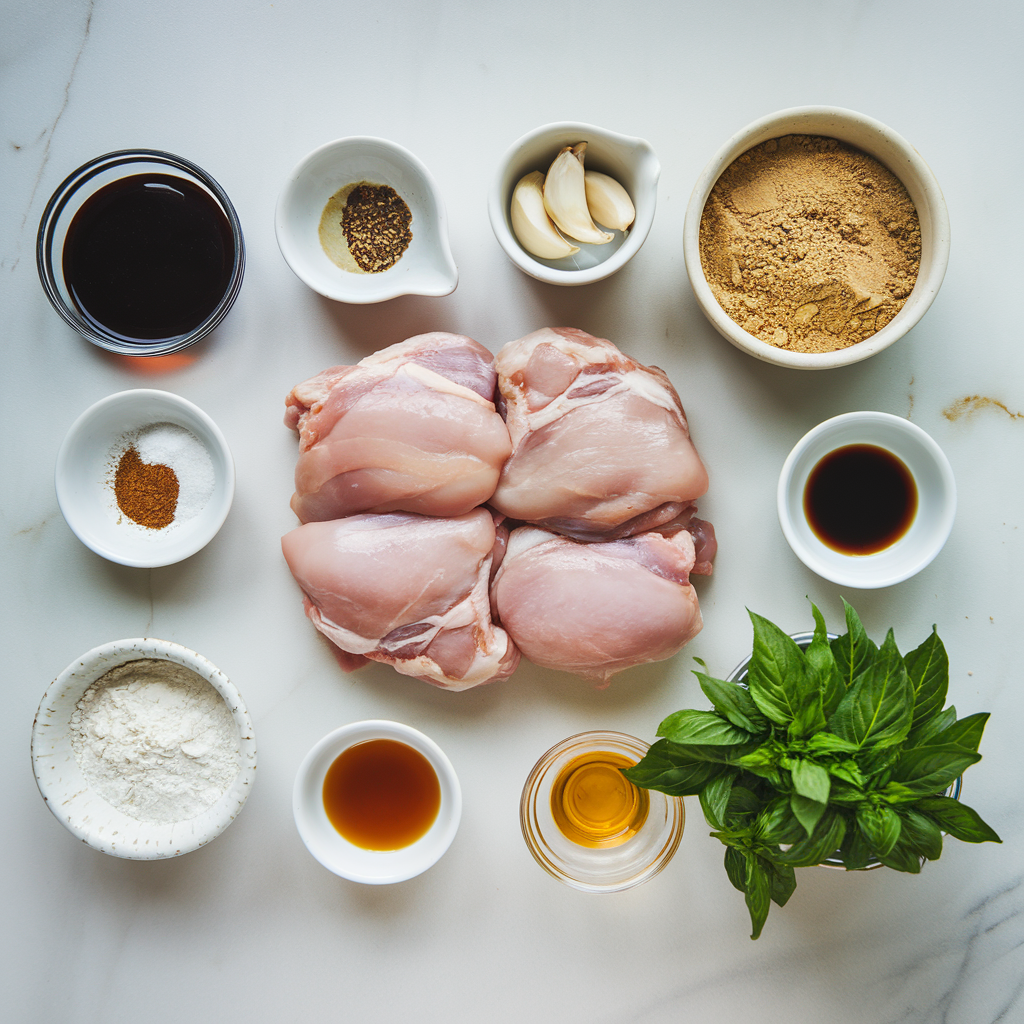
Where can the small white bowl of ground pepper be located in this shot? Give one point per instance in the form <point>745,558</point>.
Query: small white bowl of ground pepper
<point>816,237</point>
<point>361,220</point>
<point>144,478</point>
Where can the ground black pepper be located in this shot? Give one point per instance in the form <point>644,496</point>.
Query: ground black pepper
<point>376,225</point>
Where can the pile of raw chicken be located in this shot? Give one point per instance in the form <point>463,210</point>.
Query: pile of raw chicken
<point>459,510</point>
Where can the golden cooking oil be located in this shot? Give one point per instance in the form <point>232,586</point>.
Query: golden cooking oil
<point>594,804</point>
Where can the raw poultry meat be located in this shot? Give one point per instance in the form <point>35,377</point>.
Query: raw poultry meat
<point>412,428</point>
<point>598,608</point>
<point>600,444</point>
<point>407,590</point>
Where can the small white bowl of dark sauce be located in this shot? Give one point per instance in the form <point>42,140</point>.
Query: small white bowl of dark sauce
<point>377,802</point>
<point>141,252</point>
<point>424,267</point>
<point>866,499</point>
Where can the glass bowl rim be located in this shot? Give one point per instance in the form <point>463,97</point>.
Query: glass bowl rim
<point>635,746</point>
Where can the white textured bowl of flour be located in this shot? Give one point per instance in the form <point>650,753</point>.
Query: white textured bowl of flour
<point>143,749</point>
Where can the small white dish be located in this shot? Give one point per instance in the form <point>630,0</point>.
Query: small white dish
<point>886,146</point>
<point>425,268</point>
<point>86,814</point>
<point>936,499</point>
<point>337,854</point>
<point>631,162</point>
<point>84,479</point>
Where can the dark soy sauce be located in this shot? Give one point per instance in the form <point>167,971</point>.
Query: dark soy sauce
<point>148,257</point>
<point>860,499</point>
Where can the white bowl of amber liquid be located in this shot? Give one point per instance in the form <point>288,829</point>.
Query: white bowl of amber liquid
<point>587,825</point>
<point>377,802</point>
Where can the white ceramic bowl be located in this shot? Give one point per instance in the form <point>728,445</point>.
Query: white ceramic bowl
<point>629,161</point>
<point>84,479</point>
<point>337,854</point>
<point>425,268</point>
<point>87,815</point>
<point>888,148</point>
<point>936,499</point>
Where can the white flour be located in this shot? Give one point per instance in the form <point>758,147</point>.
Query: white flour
<point>155,740</point>
<point>167,444</point>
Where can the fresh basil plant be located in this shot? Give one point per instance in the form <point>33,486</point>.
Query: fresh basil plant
<point>840,749</point>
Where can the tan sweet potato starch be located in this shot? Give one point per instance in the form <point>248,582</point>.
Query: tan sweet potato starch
<point>810,244</point>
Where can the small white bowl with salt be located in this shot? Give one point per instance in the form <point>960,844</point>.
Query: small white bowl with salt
<point>143,749</point>
<point>144,478</point>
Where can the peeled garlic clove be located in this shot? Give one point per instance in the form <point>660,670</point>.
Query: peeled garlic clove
<point>608,201</point>
<point>531,223</point>
<point>565,197</point>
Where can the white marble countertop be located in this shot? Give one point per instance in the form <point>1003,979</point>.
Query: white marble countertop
<point>251,928</point>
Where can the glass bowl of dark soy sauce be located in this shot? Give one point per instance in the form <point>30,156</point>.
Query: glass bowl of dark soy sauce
<point>141,252</point>
<point>866,499</point>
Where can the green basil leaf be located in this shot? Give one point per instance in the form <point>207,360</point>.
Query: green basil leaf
<point>830,743</point>
<point>778,681</point>
<point>662,769</point>
<point>702,729</point>
<point>777,823</point>
<point>959,820</point>
<point>928,669</point>
<point>760,757</point>
<point>813,849</point>
<point>808,812</point>
<point>782,879</point>
<point>846,795</point>
<point>848,771</point>
<point>881,827</point>
<point>758,894</point>
<point>714,798</point>
<point>822,667</point>
<point>877,708</point>
<point>921,834</point>
<point>926,771</point>
<point>714,753</point>
<point>966,733</point>
<point>930,729</point>
<point>734,702</point>
<point>736,867</point>
<point>811,780</point>
<point>855,852</point>
<point>743,800</point>
<point>902,858</point>
<point>853,651</point>
<point>875,762</point>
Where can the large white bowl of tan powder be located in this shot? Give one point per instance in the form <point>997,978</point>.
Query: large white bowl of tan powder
<point>143,749</point>
<point>815,237</point>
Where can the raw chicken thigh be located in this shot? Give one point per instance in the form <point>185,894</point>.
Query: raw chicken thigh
<point>598,608</point>
<point>600,445</point>
<point>407,590</point>
<point>412,428</point>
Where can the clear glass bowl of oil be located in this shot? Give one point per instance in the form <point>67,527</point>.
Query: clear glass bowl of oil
<point>587,825</point>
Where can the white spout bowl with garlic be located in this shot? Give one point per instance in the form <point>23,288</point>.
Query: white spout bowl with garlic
<point>628,161</point>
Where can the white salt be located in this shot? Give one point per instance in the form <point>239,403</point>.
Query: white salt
<point>170,445</point>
